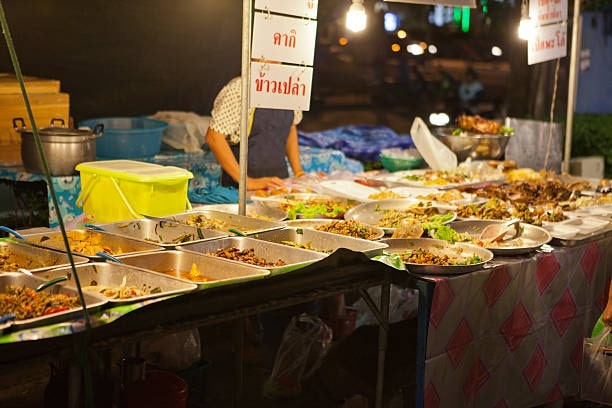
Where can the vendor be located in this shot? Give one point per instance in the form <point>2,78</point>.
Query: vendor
<point>272,136</point>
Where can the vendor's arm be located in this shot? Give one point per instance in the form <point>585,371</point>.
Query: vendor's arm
<point>607,313</point>
<point>293,152</point>
<point>221,149</point>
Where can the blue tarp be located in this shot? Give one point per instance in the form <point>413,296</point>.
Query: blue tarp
<point>361,142</point>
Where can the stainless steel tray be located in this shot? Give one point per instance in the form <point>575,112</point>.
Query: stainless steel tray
<point>253,210</point>
<point>371,213</point>
<point>229,223</point>
<point>216,271</point>
<point>92,300</point>
<point>531,238</point>
<point>87,242</point>
<point>319,224</point>
<point>294,258</point>
<point>15,254</point>
<point>164,233</point>
<point>321,241</point>
<point>458,250</point>
<point>111,275</point>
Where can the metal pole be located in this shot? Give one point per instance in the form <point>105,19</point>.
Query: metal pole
<point>573,85</point>
<point>244,111</point>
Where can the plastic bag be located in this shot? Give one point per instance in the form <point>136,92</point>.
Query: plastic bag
<point>176,351</point>
<point>596,374</point>
<point>305,342</point>
<point>186,130</point>
<point>403,304</point>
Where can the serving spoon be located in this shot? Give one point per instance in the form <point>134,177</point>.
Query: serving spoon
<point>497,232</point>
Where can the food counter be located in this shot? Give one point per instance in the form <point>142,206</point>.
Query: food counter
<point>507,332</point>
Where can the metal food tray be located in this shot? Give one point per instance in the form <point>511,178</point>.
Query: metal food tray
<point>294,258</point>
<point>92,301</point>
<point>164,233</point>
<point>218,271</point>
<point>117,244</point>
<point>531,238</point>
<point>322,241</point>
<point>369,213</point>
<point>111,274</point>
<point>459,250</point>
<point>239,223</point>
<point>33,258</point>
<point>253,210</point>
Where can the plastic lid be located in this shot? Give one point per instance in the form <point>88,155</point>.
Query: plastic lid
<point>436,154</point>
<point>135,170</point>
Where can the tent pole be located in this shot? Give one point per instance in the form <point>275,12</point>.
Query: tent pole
<point>573,85</point>
<point>244,111</point>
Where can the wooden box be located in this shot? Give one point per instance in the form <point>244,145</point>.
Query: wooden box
<point>46,101</point>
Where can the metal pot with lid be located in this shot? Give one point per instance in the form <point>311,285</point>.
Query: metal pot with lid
<point>63,147</point>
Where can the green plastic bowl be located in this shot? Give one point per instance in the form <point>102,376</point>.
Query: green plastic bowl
<point>392,160</point>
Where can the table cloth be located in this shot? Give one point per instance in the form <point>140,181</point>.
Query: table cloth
<point>511,335</point>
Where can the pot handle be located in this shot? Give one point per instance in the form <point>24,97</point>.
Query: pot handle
<point>98,130</point>
<point>58,120</point>
<point>16,122</point>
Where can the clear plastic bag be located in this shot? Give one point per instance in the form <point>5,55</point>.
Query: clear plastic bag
<point>596,375</point>
<point>175,351</point>
<point>403,304</point>
<point>304,345</point>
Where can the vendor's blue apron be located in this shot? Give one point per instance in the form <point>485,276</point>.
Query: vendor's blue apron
<point>267,145</point>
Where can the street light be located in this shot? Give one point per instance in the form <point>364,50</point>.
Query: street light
<point>526,27</point>
<point>356,16</point>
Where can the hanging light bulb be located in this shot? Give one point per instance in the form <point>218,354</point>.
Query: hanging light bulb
<point>356,16</point>
<point>526,28</point>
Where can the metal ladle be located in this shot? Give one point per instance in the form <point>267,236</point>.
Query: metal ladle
<point>497,232</point>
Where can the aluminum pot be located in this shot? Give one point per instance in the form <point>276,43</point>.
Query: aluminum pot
<point>63,147</point>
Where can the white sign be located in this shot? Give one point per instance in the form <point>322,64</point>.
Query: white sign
<point>460,3</point>
<point>280,86</point>
<point>301,8</point>
<point>548,43</point>
<point>286,39</point>
<point>547,11</point>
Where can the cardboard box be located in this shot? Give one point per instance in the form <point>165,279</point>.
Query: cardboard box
<point>46,101</point>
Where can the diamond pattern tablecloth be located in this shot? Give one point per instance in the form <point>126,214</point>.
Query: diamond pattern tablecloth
<point>511,336</point>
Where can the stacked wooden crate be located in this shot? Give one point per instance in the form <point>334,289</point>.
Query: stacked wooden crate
<point>46,101</point>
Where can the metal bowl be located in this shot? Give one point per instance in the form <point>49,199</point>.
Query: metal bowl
<point>476,146</point>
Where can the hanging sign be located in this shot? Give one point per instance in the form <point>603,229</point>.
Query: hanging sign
<point>280,86</point>
<point>287,39</point>
<point>544,12</point>
<point>548,43</point>
<point>459,3</point>
<point>302,8</point>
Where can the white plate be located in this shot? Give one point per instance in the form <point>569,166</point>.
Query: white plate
<point>348,189</point>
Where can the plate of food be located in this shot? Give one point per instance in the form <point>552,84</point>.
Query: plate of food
<point>438,257</point>
<point>389,214</point>
<point>310,205</point>
<point>528,239</point>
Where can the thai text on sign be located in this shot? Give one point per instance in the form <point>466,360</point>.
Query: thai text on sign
<point>549,42</point>
<point>280,86</point>
<point>300,8</point>
<point>547,11</point>
<point>286,39</point>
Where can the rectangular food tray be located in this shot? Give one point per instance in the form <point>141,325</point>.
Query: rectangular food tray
<point>91,241</point>
<point>32,258</point>
<point>218,271</point>
<point>164,233</point>
<point>227,222</point>
<point>110,274</point>
<point>92,300</point>
<point>294,258</point>
<point>322,241</point>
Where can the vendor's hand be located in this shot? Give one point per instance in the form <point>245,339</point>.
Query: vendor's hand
<point>263,183</point>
